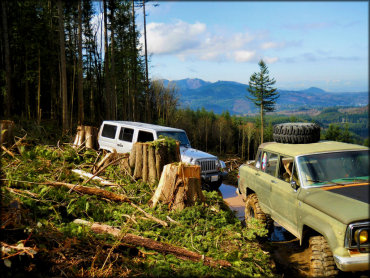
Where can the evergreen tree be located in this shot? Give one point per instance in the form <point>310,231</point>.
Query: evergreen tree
<point>263,95</point>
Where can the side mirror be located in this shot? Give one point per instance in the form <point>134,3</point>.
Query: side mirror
<point>294,185</point>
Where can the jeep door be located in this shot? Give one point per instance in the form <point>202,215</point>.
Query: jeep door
<point>124,140</point>
<point>264,179</point>
<point>284,202</point>
<point>107,138</point>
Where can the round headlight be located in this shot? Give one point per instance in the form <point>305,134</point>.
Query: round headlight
<point>361,235</point>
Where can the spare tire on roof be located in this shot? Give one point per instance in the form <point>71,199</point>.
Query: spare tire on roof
<point>296,133</point>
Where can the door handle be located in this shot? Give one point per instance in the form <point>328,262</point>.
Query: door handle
<point>257,174</point>
<point>273,181</point>
<point>119,145</point>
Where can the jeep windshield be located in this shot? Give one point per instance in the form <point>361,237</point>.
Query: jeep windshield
<point>179,136</point>
<point>334,168</point>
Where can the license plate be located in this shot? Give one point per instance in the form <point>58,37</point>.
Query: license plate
<point>214,178</point>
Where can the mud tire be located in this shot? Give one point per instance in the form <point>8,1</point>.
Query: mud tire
<point>321,258</point>
<point>253,210</point>
<point>296,133</point>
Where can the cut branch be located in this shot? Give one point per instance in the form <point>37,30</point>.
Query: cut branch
<point>148,243</point>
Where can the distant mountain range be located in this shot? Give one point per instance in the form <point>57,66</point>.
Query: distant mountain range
<point>230,96</point>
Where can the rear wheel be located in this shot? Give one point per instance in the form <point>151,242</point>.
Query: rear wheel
<point>321,258</point>
<point>253,210</point>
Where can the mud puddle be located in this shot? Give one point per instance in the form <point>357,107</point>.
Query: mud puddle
<point>291,259</point>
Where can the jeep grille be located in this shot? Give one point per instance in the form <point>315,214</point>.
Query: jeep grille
<point>208,166</point>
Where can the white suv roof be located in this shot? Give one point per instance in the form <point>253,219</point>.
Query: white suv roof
<point>145,126</point>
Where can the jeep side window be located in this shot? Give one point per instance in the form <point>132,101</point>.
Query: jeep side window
<point>126,134</point>
<point>258,159</point>
<point>145,136</point>
<point>295,175</point>
<point>109,131</point>
<point>269,163</point>
<point>285,168</point>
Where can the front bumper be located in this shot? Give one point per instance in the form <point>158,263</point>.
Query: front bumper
<point>354,263</point>
<point>213,177</point>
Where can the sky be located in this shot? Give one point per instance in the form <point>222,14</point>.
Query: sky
<point>304,44</point>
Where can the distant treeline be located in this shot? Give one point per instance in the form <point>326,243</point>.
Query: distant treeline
<point>225,134</point>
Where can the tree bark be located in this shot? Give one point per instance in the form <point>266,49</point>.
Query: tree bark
<point>152,166</point>
<point>87,135</point>
<point>108,104</point>
<point>65,121</point>
<point>8,73</point>
<point>147,160</point>
<point>152,244</point>
<point>179,187</point>
<point>145,172</point>
<point>80,68</point>
<point>6,132</point>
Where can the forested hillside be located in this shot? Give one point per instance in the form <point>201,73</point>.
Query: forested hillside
<point>230,96</point>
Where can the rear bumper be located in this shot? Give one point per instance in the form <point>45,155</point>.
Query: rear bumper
<point>355,263</point>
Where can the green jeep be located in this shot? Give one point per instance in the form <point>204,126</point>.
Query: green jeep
<point>319,192</point>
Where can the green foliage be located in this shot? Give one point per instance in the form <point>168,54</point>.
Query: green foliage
<point>209,228</point>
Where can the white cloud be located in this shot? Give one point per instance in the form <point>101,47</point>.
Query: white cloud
<point>193,41</point>
<point>271,44</point>
<point>172,38</point>
<point>244,56</point>
<point>271,60</point>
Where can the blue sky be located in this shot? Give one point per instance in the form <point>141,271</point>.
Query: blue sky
<point>305,44</point>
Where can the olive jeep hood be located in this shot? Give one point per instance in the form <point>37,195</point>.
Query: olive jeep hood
<point>347,203</point>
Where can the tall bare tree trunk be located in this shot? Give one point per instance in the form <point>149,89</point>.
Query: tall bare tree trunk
<point>147,108</point>
<point>27,90</point>
<point>113,69</point>
<point>65,121</point>
<point>8,73</point>
<point>133,62</point>
<point>39,90</point>
<point>108,104</point>
<point>80,69</point>
<point>261,123</point>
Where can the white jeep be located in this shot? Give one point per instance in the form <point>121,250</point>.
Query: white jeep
<point>121,135</point>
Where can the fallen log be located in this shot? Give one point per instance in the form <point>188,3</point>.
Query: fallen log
<point>104,194</point>
<point>84,174</point>
<point>90,191</point>
<point>152,244</point>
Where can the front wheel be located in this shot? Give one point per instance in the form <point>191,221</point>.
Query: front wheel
<point>321,258</point>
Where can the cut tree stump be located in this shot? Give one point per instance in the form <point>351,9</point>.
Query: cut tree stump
<point>147,159</point>
<point>87,135</point>
<point>179,186</point>
<point>6,132</point>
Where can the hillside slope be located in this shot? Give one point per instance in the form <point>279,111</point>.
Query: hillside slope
<point>231,96</point>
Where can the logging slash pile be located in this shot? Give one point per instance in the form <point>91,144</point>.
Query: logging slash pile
<point>65,212</point>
